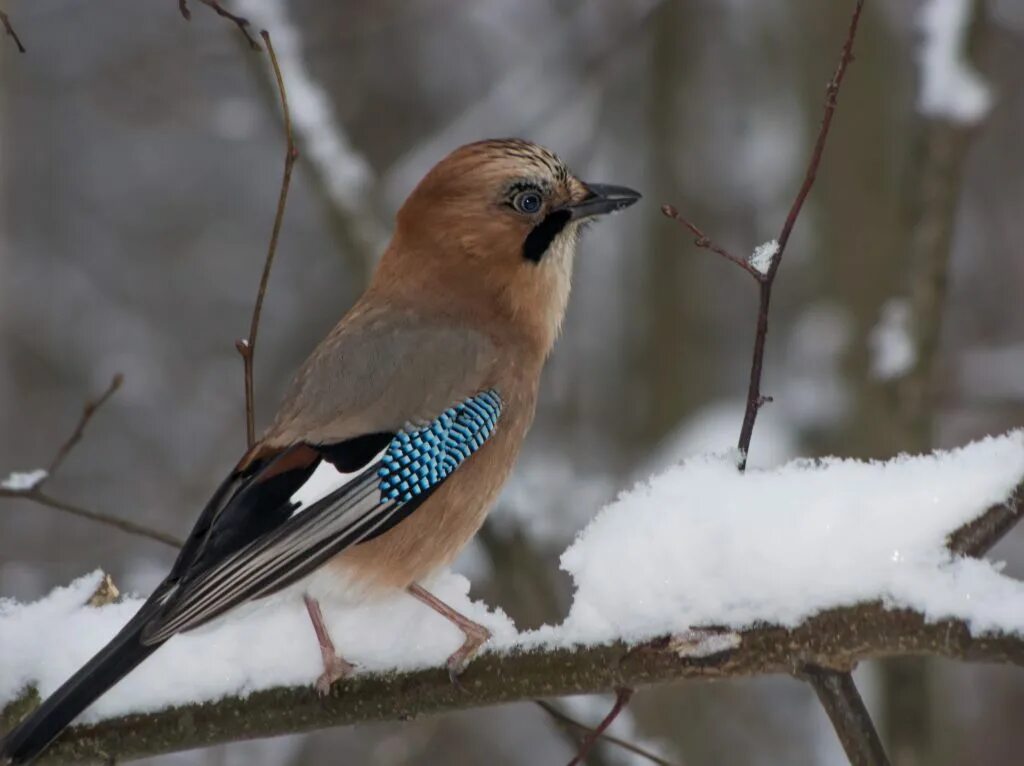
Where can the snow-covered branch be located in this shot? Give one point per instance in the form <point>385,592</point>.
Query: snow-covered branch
<point>839,637</point>
<point>723,574</point>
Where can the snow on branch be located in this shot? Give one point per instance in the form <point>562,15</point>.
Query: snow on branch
<point>716,573</point>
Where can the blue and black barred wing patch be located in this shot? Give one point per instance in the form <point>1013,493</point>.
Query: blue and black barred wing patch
<point>415,462</point>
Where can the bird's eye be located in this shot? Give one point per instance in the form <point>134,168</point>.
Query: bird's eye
<point>528,202</point>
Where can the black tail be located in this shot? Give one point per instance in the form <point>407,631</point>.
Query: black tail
<point>112,663</point>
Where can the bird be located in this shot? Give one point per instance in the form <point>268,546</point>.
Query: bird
<point>417,403</point>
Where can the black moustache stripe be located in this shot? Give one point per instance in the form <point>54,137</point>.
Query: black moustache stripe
<point>541,235</point>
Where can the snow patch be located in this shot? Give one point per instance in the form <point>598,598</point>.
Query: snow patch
<point>950,86</point>
<point>22,481</point>
<point>763,256</point>
<point>703,544</point>
<point>259,646</point>
<point>891,343</point>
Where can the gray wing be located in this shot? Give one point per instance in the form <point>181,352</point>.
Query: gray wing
<point>378,370</point>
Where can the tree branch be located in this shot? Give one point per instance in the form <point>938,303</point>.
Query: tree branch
<point>88,411</point>
<point>754,398</point>
<point>247,346</point>
<point>574,726</point>
<point>239,21</point>
<point>34,492</point>
<point>840,637</point>
<point>833,640</point>
<point>343,178</point>
<point>837,691</point>
<point>622,697</point>
<point>9,29</point>
<point>35,495</point>
<point>704,241</point>
<point>850,718</point>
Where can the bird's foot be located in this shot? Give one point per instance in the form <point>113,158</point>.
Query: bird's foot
<point>335,668</point>
<point>476,636</point>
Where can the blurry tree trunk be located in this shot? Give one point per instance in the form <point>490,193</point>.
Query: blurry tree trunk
<point>870,241</point>
<point>671,347</point>
<point>906,685</point>
<point>897,237</point>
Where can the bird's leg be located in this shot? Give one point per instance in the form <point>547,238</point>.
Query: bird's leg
<point>476,634</point>
<point>335,667</point>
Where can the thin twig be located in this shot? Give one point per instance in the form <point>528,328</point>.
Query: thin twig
<point>35,492</point>
<point>704,241</point>
<point>247,346</point>
<point>239,21</point>
<point>10,31</point>
<point>622,697</point>
<point>88,411</point>
<point>835,689</point>
<point>754,398</point>
<point>36,495</point>
<point>565,720</point>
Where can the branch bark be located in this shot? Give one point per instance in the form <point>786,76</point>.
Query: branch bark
<point>838,638</point>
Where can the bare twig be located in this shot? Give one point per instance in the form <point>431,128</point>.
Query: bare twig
<point>850,718</point>
<point>247,346</point>
<point>573,725</point>
<point>10,31</point>
<point>704,241</point>
<point>754,398</point>
<point>88,411</point>
<point>835,689</point>
<point>35,494</point>
<point>239,21</point>
<point>622,697</point>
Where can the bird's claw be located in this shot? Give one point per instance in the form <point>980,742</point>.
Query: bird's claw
<point>476,636</point>
<point>335,668</point>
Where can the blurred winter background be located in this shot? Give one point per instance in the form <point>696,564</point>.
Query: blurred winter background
<point>140,158</point>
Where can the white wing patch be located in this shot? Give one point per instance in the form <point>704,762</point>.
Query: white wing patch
<point>323,481</point>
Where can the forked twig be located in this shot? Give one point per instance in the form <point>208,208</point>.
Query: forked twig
<point>571,723</point>
<point>835,689</point>
<point>704,241</point>
<point>34,491</point>
<point>239,21</point>
<point>754,399</point>
<point>622,697</point>
<point>247,346</point>
<point>90,409</point>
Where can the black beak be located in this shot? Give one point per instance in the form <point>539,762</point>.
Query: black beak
<point>603,199</point>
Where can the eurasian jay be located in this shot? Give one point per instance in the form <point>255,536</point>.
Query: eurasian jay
<point>419,399</point>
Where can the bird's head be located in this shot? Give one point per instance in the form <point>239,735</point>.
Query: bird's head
<point>495,224</point>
